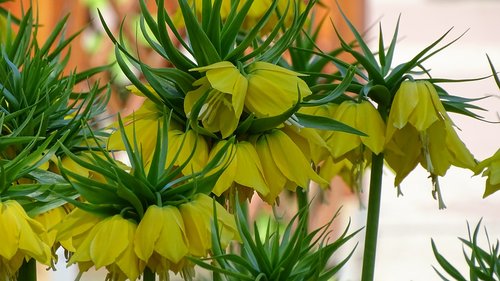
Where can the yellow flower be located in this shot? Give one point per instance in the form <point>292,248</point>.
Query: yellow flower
<point>419,130</point>
<point>363,117</point>
<point>197,216</point>
<point>272,90</point>
<point>20,238</point>
<point>243,158</point>
<point>227,88</point>
<point>110,243</point>
<point>491,167</point>
<point>161,233</point>
<point>283,163</point>
<point>264,90</point>
<point>50,219</point>
<point>74,227</point>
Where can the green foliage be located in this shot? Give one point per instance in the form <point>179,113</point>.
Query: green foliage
<point>39,111</point>
<point>483,264</point>
<point>125,190</point>
<point>276,254</point>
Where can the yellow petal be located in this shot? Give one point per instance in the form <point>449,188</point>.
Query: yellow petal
<point>290,160</point>
<point>248,161</point>
<point>172,243</point>
<point>341,143</point>
<point>425,113</point>
<point>147,233</point>
<point>197,225</point>
<point>128,262</point>
<point>9,232</point>
<point>274,177</point>
<point>368,121</point>
<point>109,241</point>
<point>226,179</point>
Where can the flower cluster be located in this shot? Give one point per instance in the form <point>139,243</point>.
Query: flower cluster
<point>246,107</point>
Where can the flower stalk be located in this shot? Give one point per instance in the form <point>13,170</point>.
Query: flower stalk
<point>373,217</point>
<point>149,275</point>
<point>27,272</point>
<point>373,212</point>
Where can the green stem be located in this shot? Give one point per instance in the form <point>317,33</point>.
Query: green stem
<point>27,272</point>
<point>149,275</point>
<point>373,217</point>
<point>302,203</point>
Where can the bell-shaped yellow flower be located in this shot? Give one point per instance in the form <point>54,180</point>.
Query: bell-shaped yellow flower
<point>283,163</point>
<point>419,130</point>
<point>74,227</point>
<point>161,233</point>
<point>222,108</point>
<point>243,158</point>
<point>110,244</point>
<point>197,216</point>
<point>20,238</point>
<point>363,117</point>
<point>49,220</point>
<point>490,168</point>
<point>272,89</point>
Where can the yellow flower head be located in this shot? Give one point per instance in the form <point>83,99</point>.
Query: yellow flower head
<point>491,167</point>
<point>419,130</point>
<point>21,240</point>
<point>283,163</point>
<point>272,89</point>
<point>264,90</point>
<point>110,244</point>
<point>49,220</point>
<point>160,239</point>
<point>227,88</point>
<point>363,117</point>
<point>197,216</point>
<point>243,158</point>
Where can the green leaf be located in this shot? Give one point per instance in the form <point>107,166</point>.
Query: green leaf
<point>203,50</point>
<point>325,123</point>
<point>450,269</point>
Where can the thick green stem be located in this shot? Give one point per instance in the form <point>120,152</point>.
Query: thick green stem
<point>302,203</point>
<point>373,217</point>
<point>149,275</point>
<point>27,272</point>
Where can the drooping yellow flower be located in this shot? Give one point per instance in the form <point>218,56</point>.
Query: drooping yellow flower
<point>283,163</point>
<point>264,89</point>
<point>363,117</point>
<point>49,220</point>
<point>74,227</point>
<point>21,239</point>
<point>419,130</point>
<point>272,89</point>
<point>110,244</point>
<point>197,216</point>
<point>491,167</point>
<point>226,88</point>
<point>160,239</point>
<point>243,158</point>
